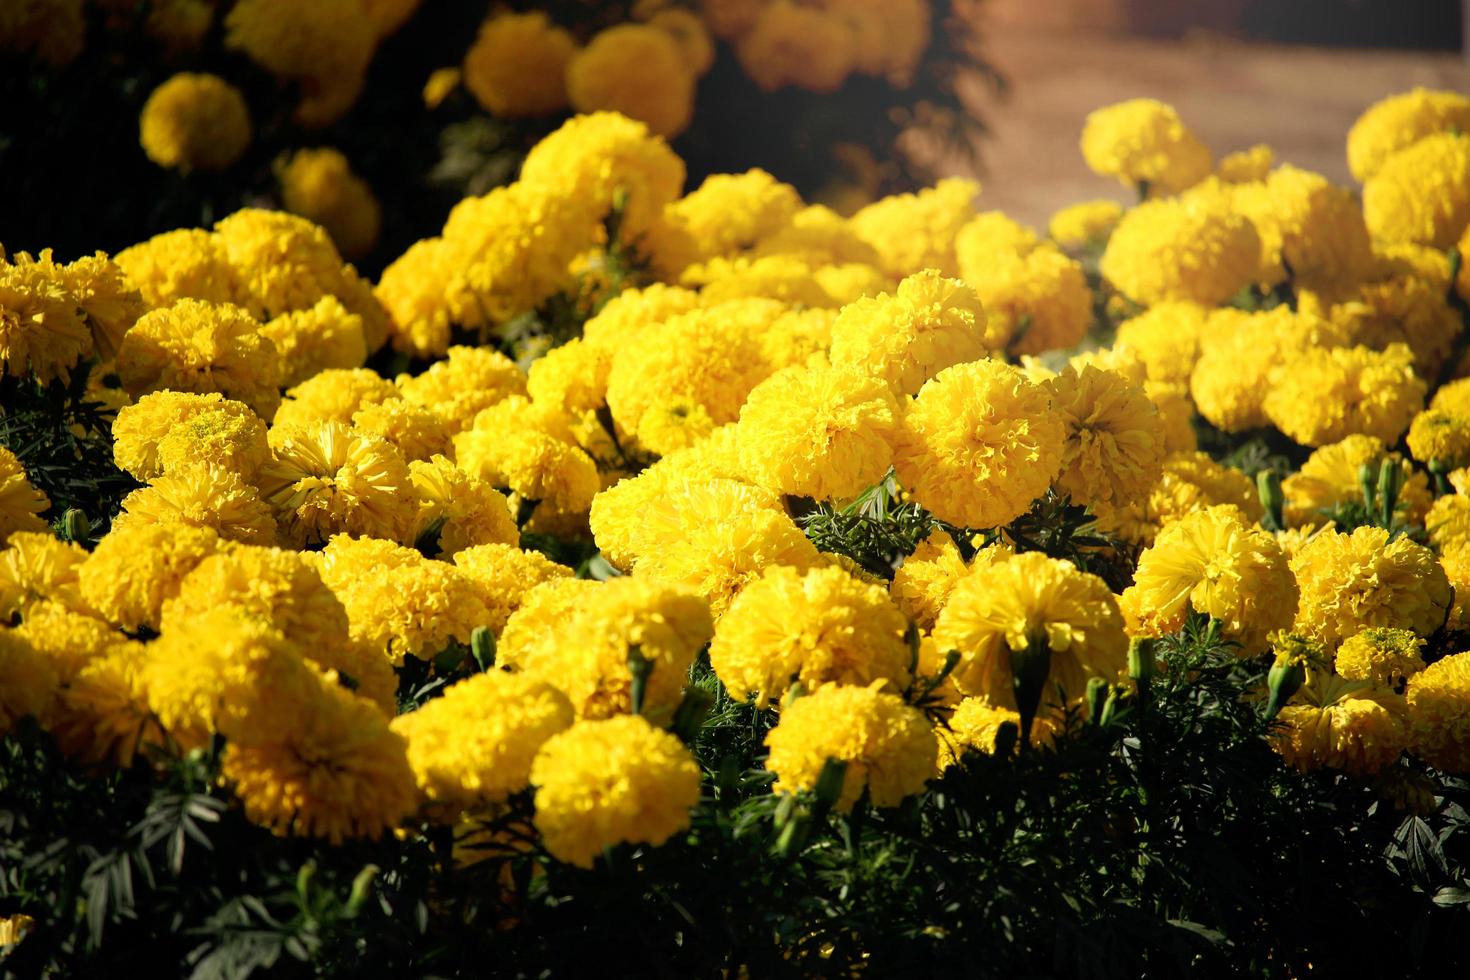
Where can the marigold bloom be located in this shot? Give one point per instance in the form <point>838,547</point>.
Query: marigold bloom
<point>923,583</point>
<point>319,184</point>
<point>42,329</point>
<point>102,713</point>
<point>979,444</point>
<point>1383,656</point>
<point>200,347</point>
<point>914,232</point>
<point>1188,249</point>
<point>111,304</point>
<point>1439,713</point>
<point>1143,142</point>
<point>975,725</point>
<point>35,567</point>
<point>1167,339</point>
<point>1088,223</point>
<point>517,65</point>
<point>20,503</point>
<point>1114,448</point>
<point>818,628</point>
<point>461,510</point>
<point>1422,193</point>
<point>204,496</point>
<point>1329,479</point>
<point>414,291</point>
<point>195,122</point>
<point>28,681</point>
<point>138,566</point>
<point>1353,581</point>
<point>1211,561</point>
<point>889,748</point>
<point>637,70</point>
<point>611,781</point>
<point>326,45</point>
<point>1399,121</point>
<point>1342,724</point>
<point>808,47</point>
<point>504,575</point>
<point>639,518</point>
<point>187,263</point>
<point>474,745</point>
<point>468,380</point>
<point>329,478</point>
<point>334,395</point>
<point>731,213</point>
<point>1326,395</point>
<point>1191,481</point>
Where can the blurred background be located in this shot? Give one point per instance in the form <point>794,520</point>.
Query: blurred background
<point>1290,73</point>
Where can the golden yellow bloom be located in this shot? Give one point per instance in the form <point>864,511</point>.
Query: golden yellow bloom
<point>1383,656</point>
<point>459,387</point>
<point>637,70</point>
<point>818,432</point>
<point>1143,142</point>
<point>111,304</point>
<point>504,575</point>
<point>1166,338</point>
<point>517,65</point>
<point>914,232</point>
<point>1353,581</point>
<point>102,713</point>
<point>28,681</point>
<point>731,213</point>
<point>197,428</point>
<point>1439,713</point>
<point>200,347</point>
<point>1399,121</point>
<point>1191,481</point>
<point>42,328</point>
<point>1214,563</point>
<point>1037,301</point>
<point>1192,249</point>
<point>195,122</point>
<point>1342,724</point>
<point>572,377</point>
<point>328,478</point>
<point>1325,395</point>
<point>20,503</point>
<point>325,45</point>
<point>474,745</point>
<point>1440,437</point>
<point>334,395</point>
<point>36,567</point>
<point>1085,224</point>
<point>807,47</point>
<point>319,184</point>
<point>416,432</point>
<point>976,723</point>
<point>889,748</point>
<point>337,772</point>
<point>1245,166</point>
<point>1114,448</point>
<point>531,464</point>
<point>1015,603</point>
<point>905,338</point>
<point>188,263</point>
<point>138,566</point>
<point>824,627</point>
<point>923,583</point>
<point>1329,479</point>
<point>414,290</point>
<point>979,444</point>
<point>1311,230</point>
<point>459,509</point>
<point>205,496</point>
<point>1422,193</point>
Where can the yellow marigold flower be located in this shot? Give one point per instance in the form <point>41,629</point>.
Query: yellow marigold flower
<point>338,772</point>
<point>1329,478</point>
<point>586,653</point>
<point>625,317</point>
<point>20,503</point>
<point>786,278</point>
<point>1342,724</point>
<point>709,357</point>
<point>731,213</point>
<point>1310,229</point>
<point>820,236</point>
<point>807,47</point>
<point>689,32</point>
<point>976,723</point>
<point>206,496</point>
<point>1176,414</point>
<point>459,509</point>
<point>1455,560</point>
<point>138,566</point>
<point>1035,302</point>
<point>923,583</point>
<point>327,336</point>
<point>1245,166</point>
<point>517,413</point>
<point>798,335</point>
<point>517,66</point>
<point>669,426</point>
<point>328,478</point>
<point>823,627</point>
<point>611,781</point>
<point>1191,481</point>
<point>195,122</point>
<point>188,263</point>
<point>914,232</point>
<point>598,157</point>
<point>398,601</point>
<point>1114,444</point>
<point>112,305</point>
<point>28,681</point>
<point>36,567</point>
<point>413,430</point>
<point>531,464</point>
<point>1353,581</point>
<point>1191,249</point>
<point>639,517</point>
<point>1399,121</point>
<point>1440,437</point>
<point>1453,397</point>
<point>905,338</point>
<point>70,638</point>
<point>459,387</point>
<point>504,575</point>
<point>1211,561</point>
<point>414,290</point>
<point>851,281</point>
<point>572,377</point>
<point>102,713</point>
<point>1085,224</point>
<point>1422,193</point>
<point>979,444</point>
<point>889,748</point>
<point>334,395</point>
<point>1439,713</point>
<point>474,745</point>
<point>637,70</point>
<point>319,184</point>
<point>42,327</point>
<point>818,432</point>
<point>1326,395</point>
<point>542,607</point>
<point>1143,142</point>
<point>1403,308</point>
<point>1011,603</point>
<point>326,45</point>
<point>1383,656</point>
<point>1448,521</point>
<point>200,347</point>
<point>207,428</point>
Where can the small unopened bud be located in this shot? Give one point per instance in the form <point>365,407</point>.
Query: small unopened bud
<point>305,875</point>
<point>1141,662</point>
<point>1390,481</point>
<point>1268,489</point>
<point>74,525</point>
<point>1097,693</point>
<point>1286,677</point>
<point>482,647</point>
<point>362,889</point>
<point>1367,481</point>
<point>829,782</point>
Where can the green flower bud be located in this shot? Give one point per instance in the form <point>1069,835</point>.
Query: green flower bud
<point>1268,489</point>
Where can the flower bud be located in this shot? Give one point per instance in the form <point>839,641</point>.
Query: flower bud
<point>1286,677</point>
<point>362,889</point>
<point>74,525</point>
<point>1097,693</point>
<point>1268,489</point>
<point>1390,482</point>
<point>482,646</point>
